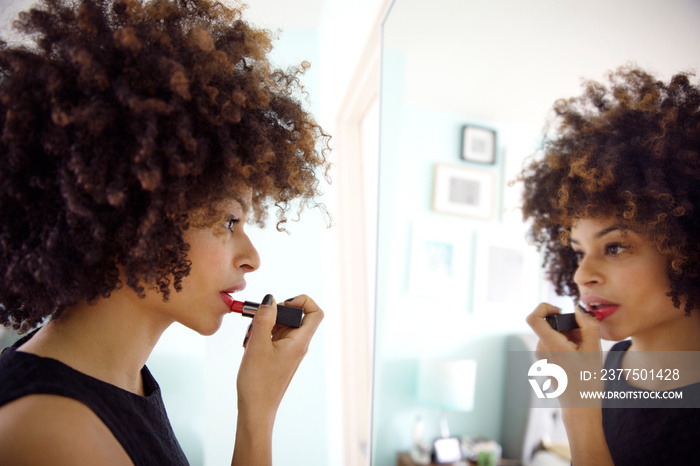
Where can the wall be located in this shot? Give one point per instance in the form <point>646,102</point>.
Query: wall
<point>415,139</point>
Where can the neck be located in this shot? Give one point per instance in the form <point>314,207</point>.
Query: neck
<point>110,339</point>
<point>678,335</point>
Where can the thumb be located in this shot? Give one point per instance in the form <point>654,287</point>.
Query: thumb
<point>590,331</point>
<point>265,316</point>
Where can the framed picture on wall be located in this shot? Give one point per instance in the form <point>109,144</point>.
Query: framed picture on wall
<point>506,272</point>
<point>439,260</point>
<point>464,191</point>
<point>478,144</point>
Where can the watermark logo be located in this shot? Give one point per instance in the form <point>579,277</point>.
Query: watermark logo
<point>543,369</point>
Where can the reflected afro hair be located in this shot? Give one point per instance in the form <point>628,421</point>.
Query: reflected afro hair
<point>628,148</point>
<point>120,120</point>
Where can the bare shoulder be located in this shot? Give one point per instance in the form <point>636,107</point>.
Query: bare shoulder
<point>51,429</point>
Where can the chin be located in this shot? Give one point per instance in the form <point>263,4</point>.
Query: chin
<point>210,331</point>
<point>612,334</point>
<point>205,328</point>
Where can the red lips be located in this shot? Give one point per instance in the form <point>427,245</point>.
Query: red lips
<point>228,300</point>
<point>600,308</point>
<point>604,311</point>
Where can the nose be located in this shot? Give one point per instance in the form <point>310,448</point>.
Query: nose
<point>588,272</point>
<point>246,257</point>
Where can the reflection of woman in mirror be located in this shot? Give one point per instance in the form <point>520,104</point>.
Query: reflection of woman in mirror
<point>615,204</point>
<point>136,141</point>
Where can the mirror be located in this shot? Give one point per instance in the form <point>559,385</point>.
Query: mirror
<point>458,282</point>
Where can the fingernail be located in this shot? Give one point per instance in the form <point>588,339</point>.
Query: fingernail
<point>267,300</point>
<point>290,299</point>
<point>245,341</point>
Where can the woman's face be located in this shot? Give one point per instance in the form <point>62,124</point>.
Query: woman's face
<point>623,278</point>
<point>221,256</point>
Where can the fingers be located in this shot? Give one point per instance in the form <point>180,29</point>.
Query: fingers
<point>536,319</point>
<point>590,331</point>
<point>313,315</point>
<point>586,338</point>
<point>550,339</point>
<point>266,315</point>
<point>263,321</point>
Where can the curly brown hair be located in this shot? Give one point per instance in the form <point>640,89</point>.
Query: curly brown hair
<point>627,148</point>
<point>121,120</point>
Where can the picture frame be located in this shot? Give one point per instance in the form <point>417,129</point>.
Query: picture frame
<point>464,191</point>
<point>507,272</point>
<point>439,261</point>
<point>478,144</point>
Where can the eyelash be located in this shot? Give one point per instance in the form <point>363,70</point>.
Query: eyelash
<point>608,247</point>
<point>620,246</point>
<point>231,223</point>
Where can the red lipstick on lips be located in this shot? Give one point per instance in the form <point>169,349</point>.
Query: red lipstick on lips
<point>604,311</point>
<point>565,322</point>
<point>286,315</point>
<point>600,308</point>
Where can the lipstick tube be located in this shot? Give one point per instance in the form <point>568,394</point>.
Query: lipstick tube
<point>286,315</point>
<point>562,322</point>
<point>566,322</point>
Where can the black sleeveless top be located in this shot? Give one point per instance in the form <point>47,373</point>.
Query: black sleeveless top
<point>638,435</point>
<point>139,423</point>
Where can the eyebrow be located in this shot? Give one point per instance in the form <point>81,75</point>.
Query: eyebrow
<point>243,203</point>
<point>600,234</point>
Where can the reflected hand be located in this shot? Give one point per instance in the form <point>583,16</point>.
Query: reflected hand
<point>584,427</point>
<point>585,338</point>
<point>573,351</point>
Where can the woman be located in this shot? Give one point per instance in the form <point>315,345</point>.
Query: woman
<point>137,141</point>
<point>614,204</point>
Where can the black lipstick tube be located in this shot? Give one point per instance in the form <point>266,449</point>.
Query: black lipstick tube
<point>286,315</point>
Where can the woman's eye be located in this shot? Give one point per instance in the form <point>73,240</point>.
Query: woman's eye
<point>231,223</point>
<point>615,248</point>
<point>579,256</point>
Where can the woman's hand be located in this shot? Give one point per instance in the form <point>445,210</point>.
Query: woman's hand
<point>585,338</point>
<point>574,350</point>
<point>584,427</point>
<point>272,355</point>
